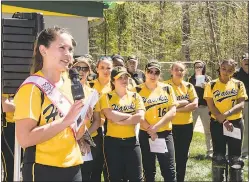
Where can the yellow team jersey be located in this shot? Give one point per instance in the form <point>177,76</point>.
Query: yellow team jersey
<point>157,103</point>
<point>185,91</point>
<point>130,103</point>
<point>9,115</point>
<point>102,89</point>
<point>226,95</point>
<point>60,151</point>
<point>87,92</point>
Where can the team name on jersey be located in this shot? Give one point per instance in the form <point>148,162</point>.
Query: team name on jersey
<point>182,97</point>
<point>161,98</point>
<point>51,111</point>
<point>225,94</point>
<point>125,108</point>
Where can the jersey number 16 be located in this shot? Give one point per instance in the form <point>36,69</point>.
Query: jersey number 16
<point>162,112</point>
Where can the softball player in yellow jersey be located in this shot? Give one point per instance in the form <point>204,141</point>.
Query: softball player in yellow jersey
<point>7,137</point>
<point>103,85</point>
<point>183,121</point>
<point>51,150</point>
<point>225,97</point>
<point>160,104</point>
<point>83,67</point>
<point>123,110</point>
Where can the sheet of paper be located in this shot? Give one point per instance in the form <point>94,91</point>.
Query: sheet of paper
<point>87,157</point>
<point>236,133</point>
<point>94,99</point>
<point>200,79</point>
<point>158,146</point>
<point>89,102</point>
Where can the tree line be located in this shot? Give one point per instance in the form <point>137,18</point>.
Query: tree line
<point>169,31</point>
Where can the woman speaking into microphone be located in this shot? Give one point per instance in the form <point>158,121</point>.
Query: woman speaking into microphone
<point>45,114</point>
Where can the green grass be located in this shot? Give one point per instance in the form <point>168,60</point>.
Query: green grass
<point>199,168</point>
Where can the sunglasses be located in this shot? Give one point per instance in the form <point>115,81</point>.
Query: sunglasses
<point>84,69</point>
<point>198,67</point>
<point>154,73</point>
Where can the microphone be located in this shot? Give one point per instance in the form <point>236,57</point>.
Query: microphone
<point>78,94</point>
<point>76,87</point>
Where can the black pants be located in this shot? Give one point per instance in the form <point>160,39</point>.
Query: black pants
<point>220,141</point>
<point>38,172</point>
<point>123,159</point>
<point>7,150</point>
<point>182,135</point>
<point>98,163</point>
<point>91,170</point>
<point>166,160</point>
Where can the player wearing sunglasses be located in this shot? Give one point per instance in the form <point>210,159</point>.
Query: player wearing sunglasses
<point>83,67</point>
<point>160,104</point>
